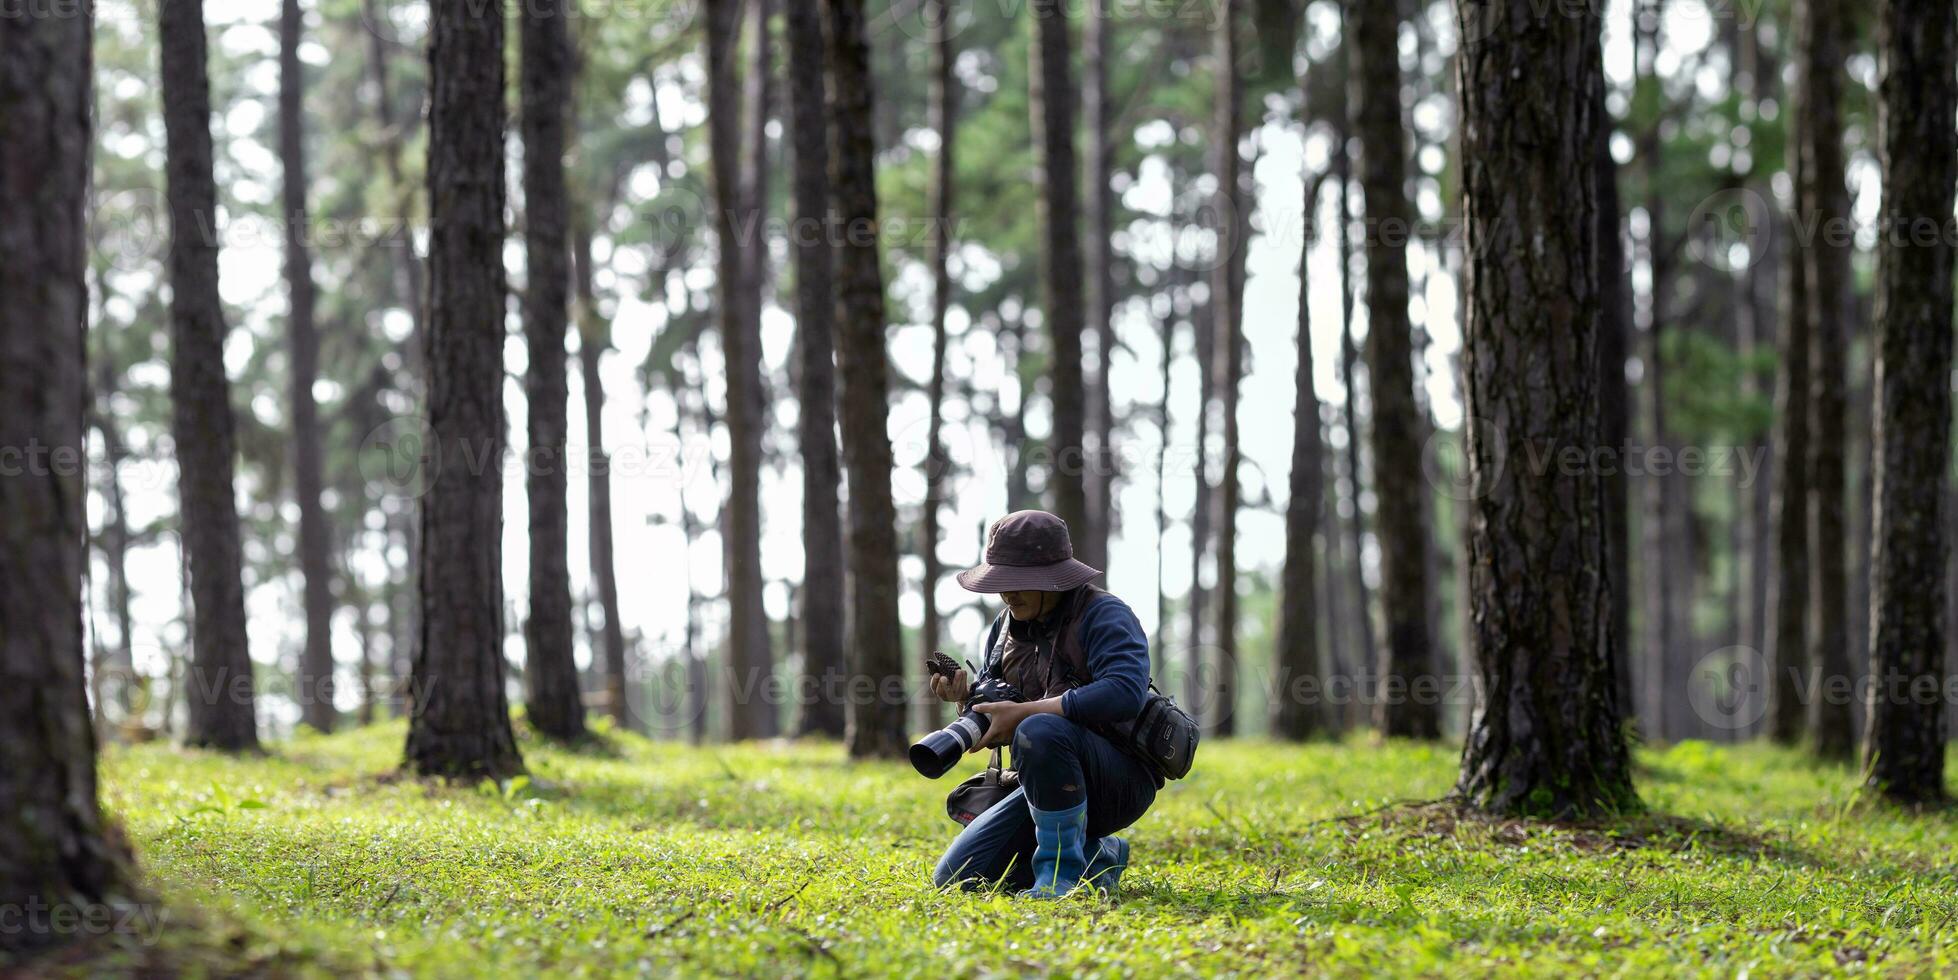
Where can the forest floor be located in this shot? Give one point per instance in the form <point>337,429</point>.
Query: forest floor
<point>656,858</point>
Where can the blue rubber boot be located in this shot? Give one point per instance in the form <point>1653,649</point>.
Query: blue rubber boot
<point>1105,869</point>
<point>1059,850</point>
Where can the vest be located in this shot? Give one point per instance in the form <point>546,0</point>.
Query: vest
<point>1044,658</point>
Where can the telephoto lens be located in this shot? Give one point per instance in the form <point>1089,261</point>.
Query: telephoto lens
<point>935,754</point>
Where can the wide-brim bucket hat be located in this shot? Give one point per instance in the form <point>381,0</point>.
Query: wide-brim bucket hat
<point>1028,551</point>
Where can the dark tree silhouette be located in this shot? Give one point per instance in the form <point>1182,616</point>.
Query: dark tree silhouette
<point>944,117</point>
<point>1397,421</point>
<point>748,640</point>
<point>1788,591</point>
<point>594,335</point>
<point>459,721</point>
<point>52,847</point>
<point>814,252</point>
<point>219,682</point>
<point>1547,740</point>
<point>1297,651</point>
<point>876,723</point>
<point>554,704</point>
<point>314,682</point>
<point>1918,42</point>
<point>1614,400</point>
<point>1825,197</point>
<point>1226,292</point>
<point>1098,210</point>
<point>1050,79</point>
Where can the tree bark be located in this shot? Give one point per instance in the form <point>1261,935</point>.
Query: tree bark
<point>876,723</point>
<point>1917,43</point>
<point>1398,483</point>
<point>814,251</point>
<point>1547,739</point>
<point>314,683</point>
<point>220,678</point>
<point>594,334</point>
<point>1614,397</point>
<point>1297,650</point>
<point>1051,95</point>
<point>1825,199</point>
<point>1226,295</point>
<point>459,722</point>
<point>1098,214</point>
<point>554,705</point>
<point>1788,591</point>
<point>748,640</point>
<point>944,101</point>
<point>56,851</point>
<point>1349,368</point>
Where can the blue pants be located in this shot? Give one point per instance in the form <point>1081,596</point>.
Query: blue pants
<point>1061,764</point>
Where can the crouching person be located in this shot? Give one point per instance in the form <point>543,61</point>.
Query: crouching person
<point>1079,658</point>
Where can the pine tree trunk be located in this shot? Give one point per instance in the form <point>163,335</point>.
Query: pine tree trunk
<point>748,640</point>
<point>593,336</point>
<point>554,704</point>
<point>1788,591</point>
<point>1917,42</point>
<point>944,100</point>
<point>1614,398</point>
<point>55,852</point>
<point>459,721</point>
<point>314,683</point>
<point>1547,739</point>
<point>1226,295</point>
<point>1297,652</point>
<point>1825,198</point>
<point>1099,211</point>
<point>1051,98</point>
<point>1349,356</point>
<point>814,251</point>
<point>220,677</point>
<point>1398,484</point>
<point>876,724</point>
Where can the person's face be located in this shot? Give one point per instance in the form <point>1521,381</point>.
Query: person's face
<point>1027,605</point>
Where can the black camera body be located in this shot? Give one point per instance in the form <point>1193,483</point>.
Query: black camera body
<point>935,754</point>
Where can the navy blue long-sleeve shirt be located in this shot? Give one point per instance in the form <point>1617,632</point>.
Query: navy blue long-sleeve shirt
<point>1117,652</point>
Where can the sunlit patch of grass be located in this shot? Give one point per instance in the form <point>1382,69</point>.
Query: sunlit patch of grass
<point>644,857</point>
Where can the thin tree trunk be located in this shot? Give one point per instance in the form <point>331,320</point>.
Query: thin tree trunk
<point>1099,209</point>
<point>594,334</point>
<point>1547,740</point>
<point>813,248</point>
<point>56,851</point>
<point>1349,367</point>
<point>876,725</point>
<point>459,722</point>
<point>1917,41</point>
<point>555,706</point>
<point>748,639</point>
<point>1660,525</point>
<point>1051,97</point>
<point>944,95</point>
<point>1226,293</point>
<point>314,683</point>
<point>1788,592</point>
<point>1297,652</point>
<point>220,678</point>
<point>1398,484</point>
<point>1825,198</point>
<point>120,688</point>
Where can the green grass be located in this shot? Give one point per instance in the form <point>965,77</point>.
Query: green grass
<point>656,858</point>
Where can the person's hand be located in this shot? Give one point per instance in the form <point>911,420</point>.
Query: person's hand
<point>1006,717</point>
<point>954,689</point>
